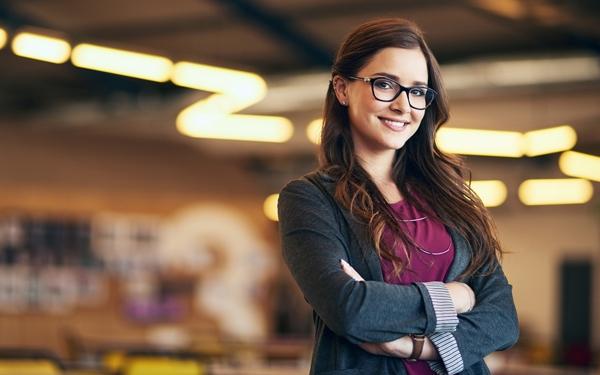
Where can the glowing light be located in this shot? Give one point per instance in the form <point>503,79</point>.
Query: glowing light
<point>578,164</point>
<point>480,142</point>
<point>41,47</point>
<point>555,191</point>
<point>547,141</point>
<point>235,90</point>
<point>3,37</point>
<point>126,63</point>
<point>235,127</point>
<point>241,88</point>
<point>492,192</point>
<point>270,207</point>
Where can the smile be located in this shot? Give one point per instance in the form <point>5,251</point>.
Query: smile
<point>394,125</point>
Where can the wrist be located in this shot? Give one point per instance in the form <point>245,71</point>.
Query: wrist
<point>401,348</point>
<point>429,351</point>
<point>417,343</point>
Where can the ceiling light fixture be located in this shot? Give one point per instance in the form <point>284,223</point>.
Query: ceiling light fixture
<point>492,192</point>
<point>555,191</point>
<point>550,140</point>
<point>41,47</point>
<point>3,37</point>
<point>270,207</point>
<point>235,127</point>
<point>313,131</point>
<point>117,61</point>
<point>480,142</point>
<point>579,164</point>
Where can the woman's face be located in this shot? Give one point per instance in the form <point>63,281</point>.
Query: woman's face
<point>378,126</point>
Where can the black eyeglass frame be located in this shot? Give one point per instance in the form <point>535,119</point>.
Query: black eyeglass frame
<point>371,80</point>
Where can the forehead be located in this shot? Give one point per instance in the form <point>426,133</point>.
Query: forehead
<point>409,65</point>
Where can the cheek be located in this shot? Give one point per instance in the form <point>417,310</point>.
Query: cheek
<point>361,112</point>
<point>417,116</point>
<point>364,103</point>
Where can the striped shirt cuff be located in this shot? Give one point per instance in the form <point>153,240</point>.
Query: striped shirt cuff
<point>445,312</point>
<point>447,348</point>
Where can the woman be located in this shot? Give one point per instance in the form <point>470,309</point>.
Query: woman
<point>395,253</point>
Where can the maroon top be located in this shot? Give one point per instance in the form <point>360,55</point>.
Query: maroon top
<point>430,261</point>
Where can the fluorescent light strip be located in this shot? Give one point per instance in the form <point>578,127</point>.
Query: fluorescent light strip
<point>243,86</point>
<point>41,47</point>
<point>3,37</point>
<point>236,127</point>
<point>270,207</point>
<point>555,191</point>
<point>492,192</point>
<point>551,140</point>
<point>208,118</point>
<point>578,164</point>
<point>117,61</point>
<point>235,90</point>
<point>481,142</point>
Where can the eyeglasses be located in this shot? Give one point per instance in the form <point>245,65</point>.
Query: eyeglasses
<point>387,90</point>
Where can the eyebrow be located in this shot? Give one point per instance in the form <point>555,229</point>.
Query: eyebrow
<point>395,78</point>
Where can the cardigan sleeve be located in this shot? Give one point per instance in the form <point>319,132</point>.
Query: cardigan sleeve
<point>490,326</point>
<point>360,311</point>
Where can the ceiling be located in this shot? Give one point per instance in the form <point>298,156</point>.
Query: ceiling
<point>288,42</point>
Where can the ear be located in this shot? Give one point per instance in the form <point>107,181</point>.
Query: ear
<point>340,86</point>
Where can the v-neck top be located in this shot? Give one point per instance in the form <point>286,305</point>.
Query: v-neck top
<point>430,261</point>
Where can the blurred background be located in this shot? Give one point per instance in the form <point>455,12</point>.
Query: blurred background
<point>137,224</point>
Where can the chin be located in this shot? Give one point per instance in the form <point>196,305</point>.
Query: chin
<point>399,144</point>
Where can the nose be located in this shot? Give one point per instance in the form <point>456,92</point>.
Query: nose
<point>401,104</point>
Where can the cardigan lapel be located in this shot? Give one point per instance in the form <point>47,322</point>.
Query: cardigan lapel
<point>358,229</point>
<point>462,256</point>
<point>367,250</point>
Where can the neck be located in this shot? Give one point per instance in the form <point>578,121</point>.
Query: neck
<point>378,166</point>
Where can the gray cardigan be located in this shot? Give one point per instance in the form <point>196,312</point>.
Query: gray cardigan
<point>316,233</point>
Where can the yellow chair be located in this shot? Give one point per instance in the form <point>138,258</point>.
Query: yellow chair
<point>28,367</point>
<point>113,361</point>
<point>162,366</point>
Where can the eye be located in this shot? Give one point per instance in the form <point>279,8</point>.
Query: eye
<point>418,91</point>
<point>383,84</point>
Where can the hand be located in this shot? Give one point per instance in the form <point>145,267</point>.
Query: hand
<point>462,296</point>
<point>350,271</point>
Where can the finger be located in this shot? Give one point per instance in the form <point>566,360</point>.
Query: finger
<point>350,271</point>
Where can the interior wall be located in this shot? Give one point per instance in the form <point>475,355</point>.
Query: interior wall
<point>81,175</point>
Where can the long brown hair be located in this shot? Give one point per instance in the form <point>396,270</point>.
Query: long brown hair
<point>433,181</point>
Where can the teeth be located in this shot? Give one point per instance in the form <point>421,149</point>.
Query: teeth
<point>394,123</point>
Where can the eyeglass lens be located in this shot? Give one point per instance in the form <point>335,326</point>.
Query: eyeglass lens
<point>387,90</point>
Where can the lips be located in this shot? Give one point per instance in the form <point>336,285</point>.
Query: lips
<point>395,125</point>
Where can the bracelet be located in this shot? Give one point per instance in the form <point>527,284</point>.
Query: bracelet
<point>418,343</point>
